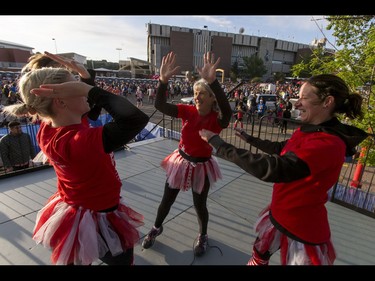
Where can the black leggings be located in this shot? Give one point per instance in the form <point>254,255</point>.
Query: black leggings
<point>125,258</point>
<point>200,205</point>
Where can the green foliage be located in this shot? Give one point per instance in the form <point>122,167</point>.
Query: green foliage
<point>102,64</point>
<point>232,76</point>
<point>256,80</point>
<point>279,76</point>
<point>234,71</point>
<point>254,67</point>
<point>319,62</point>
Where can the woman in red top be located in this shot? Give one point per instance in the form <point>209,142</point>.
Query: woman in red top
<point>86,219</point>
<point>303,169</point>
<point>240,111</point>
<point>191,166</point>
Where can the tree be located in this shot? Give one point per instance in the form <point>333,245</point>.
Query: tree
<point>102,64</point>
<point>319,61</point>
<point>353,60</point>
<point>278,77</point>
<point>234,71</point>
<point>253,67</point>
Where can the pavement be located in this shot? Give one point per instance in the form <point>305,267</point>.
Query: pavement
<point>233,203</point>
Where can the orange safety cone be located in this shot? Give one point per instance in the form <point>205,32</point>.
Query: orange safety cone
<point>356,181</point>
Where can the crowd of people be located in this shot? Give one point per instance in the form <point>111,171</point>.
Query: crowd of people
<point>87,219</point>
<point>246,106</point>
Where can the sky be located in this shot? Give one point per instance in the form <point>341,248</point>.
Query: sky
<point>119,37</point>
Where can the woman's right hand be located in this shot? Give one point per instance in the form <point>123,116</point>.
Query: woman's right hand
<point>168,67</point>
<point>63,90</point>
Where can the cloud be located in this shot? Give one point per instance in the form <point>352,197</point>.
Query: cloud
<point>98,37</point>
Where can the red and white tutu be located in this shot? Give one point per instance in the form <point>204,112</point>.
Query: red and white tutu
<point>81,236</point>
<point>183,174</point>
<point>292,252</point>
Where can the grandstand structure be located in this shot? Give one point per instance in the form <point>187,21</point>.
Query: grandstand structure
<point>190,44</point>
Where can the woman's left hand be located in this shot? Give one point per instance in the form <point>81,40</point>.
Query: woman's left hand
<point>71,64</point>
<point>240,133</point>
<point>208,71</point>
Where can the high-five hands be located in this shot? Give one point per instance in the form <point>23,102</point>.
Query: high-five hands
<point>168,67</point>
<point>208,71</point>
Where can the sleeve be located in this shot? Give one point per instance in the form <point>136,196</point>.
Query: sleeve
<point>161,103</point>
<point>128,120</point>
<point>265,145</point>
<point>91,80</point>
<point>4,153</point>
<point>95,110</point>
<point>269,168</point>
<point>222,101</point>
<point>31,146</point>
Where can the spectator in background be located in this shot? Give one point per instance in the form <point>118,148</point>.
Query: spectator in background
<point>151,93</point>
<point>261,108</point>
<point>5,93</point>
<point>139,97</point>
<point>16,148</point>
<point>286,114</point>
<point>252,107</point>
<point>288,103</point>
<point>240,110</point>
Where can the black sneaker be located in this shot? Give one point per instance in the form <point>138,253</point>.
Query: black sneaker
<point>201,245</point>
<point>151,236</point>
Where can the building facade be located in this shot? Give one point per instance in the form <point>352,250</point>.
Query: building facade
<point>190,44</point>
<point>13,56</point>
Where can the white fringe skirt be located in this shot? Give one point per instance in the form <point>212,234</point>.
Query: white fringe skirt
<point>81,236</point>
<point>292,252</point>
<point>184,174</point>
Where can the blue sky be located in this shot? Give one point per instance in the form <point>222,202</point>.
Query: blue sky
<point>100,37</point>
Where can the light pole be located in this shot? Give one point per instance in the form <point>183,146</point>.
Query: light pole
<point>55,45</point>
<point>119,52</point>
<point>205,42</point>
<point>92,62</point>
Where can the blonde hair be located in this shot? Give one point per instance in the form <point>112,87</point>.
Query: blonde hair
<point>32,105</point>
<point>39,61</point>
<point>202,84</point>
